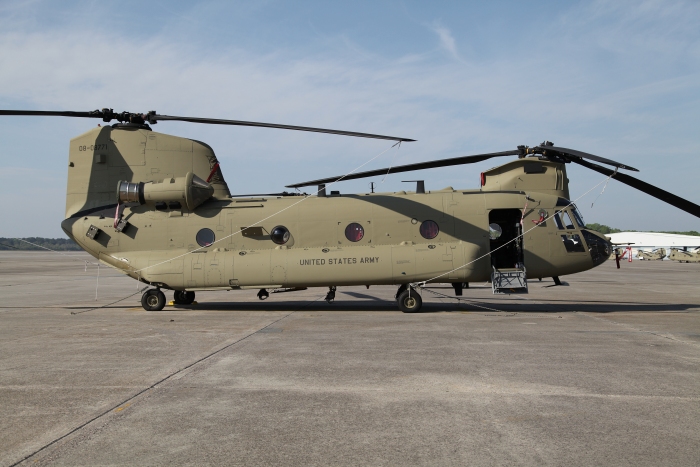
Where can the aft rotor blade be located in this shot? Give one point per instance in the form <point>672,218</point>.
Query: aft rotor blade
<point>48,113</point>
<point>656,192</point>
<point>151,117</point>
<point>585,155</point>
<point>409,168</point>
<point>217,121</point>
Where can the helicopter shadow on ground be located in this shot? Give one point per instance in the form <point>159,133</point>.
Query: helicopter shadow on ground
<point>374,304</point>
<point>318,305</point>
<point>596,307</point>
<point>364,296</point>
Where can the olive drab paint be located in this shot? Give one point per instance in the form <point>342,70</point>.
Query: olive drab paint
<point>157,208</point>
<point>165,243</point>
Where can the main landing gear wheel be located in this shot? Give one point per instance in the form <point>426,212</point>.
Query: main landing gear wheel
<point>330,296</point>
<point>409,301</point>
<point>153,300</point>
<point>183,298</point>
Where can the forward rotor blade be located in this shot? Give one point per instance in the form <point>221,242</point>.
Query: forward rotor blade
<point>410,167</point>
<point>585,155</point>
<point>216,121</point>
<point>651,190</point>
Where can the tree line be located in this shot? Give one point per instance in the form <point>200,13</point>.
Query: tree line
<point>60,244</point>
<point>604,229</point>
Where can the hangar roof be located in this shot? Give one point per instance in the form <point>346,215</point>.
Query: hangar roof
<point>654,239</point>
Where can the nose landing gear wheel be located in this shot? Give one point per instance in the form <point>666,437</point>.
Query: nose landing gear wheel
<point>153,300</point>
<point>409,301</point>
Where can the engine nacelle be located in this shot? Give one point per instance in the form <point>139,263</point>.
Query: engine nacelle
<point>189,189</point>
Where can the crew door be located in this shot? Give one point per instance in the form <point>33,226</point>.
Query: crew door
<point>506,241</point>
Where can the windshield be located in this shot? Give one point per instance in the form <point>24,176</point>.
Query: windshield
<point>567,220</point>
<point>577,216</point>
<point>557,219</point>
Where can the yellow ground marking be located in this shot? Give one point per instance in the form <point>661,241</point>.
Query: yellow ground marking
<point>119,409</point>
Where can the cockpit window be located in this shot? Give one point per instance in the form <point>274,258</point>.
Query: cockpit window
<point>573,243</point>
<point>557,219</point>
<point>567,220</point>
<point>577,216</point>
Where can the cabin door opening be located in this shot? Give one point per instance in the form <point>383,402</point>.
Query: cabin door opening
<point>506,241</point>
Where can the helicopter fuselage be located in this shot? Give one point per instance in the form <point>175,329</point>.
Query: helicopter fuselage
<point>393,238</point>
<point>161,246</point>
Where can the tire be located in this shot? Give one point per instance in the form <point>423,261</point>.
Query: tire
<point>178,297</point>
<point>153,300</point>
<point>183,298</point>
<point>410,301</point>
<point>187,298</point>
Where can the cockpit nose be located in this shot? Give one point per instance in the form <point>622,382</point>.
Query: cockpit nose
<point>598,245</point>
<point>67,226</point>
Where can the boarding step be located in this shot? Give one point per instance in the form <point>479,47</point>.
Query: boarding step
<point>508,281</point>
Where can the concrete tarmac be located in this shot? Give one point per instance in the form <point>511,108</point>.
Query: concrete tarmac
<point>602,371</point>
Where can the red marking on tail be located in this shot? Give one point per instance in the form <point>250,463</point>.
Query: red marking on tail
<point>213,171</point>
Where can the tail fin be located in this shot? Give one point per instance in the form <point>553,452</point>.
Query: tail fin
<point>103,156</point>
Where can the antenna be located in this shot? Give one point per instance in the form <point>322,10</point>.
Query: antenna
<point>420,185</point>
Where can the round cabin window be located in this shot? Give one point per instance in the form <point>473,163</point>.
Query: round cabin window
<point>280,235</point>
<point>429,229</point>
<point>354,232</point>
<point>495,231</point>
<point>205,237</point>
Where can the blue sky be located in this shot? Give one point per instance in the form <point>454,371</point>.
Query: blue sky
<point>620,79</point>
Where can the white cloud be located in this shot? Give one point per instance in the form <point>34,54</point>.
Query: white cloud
<point>447,40</point>
<point>561,90</point>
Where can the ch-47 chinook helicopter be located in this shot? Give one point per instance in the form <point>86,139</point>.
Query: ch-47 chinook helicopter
<point>156,207</point>
<point>653,255</point>
<point>684,256</point>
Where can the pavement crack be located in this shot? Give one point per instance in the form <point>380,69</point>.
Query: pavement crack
<point>634,328</point>
<point>130,399</point>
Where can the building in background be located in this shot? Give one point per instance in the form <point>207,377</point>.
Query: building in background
<point>649,241</point>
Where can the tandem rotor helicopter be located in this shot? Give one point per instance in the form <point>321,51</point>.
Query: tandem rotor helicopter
<point>157,208</point>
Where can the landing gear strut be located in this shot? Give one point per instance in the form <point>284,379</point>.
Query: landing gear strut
<point>180,297</point>
<point>330,296</point>
<point>153,300</point>
<point>402,287</point>
<point>459,287</point>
